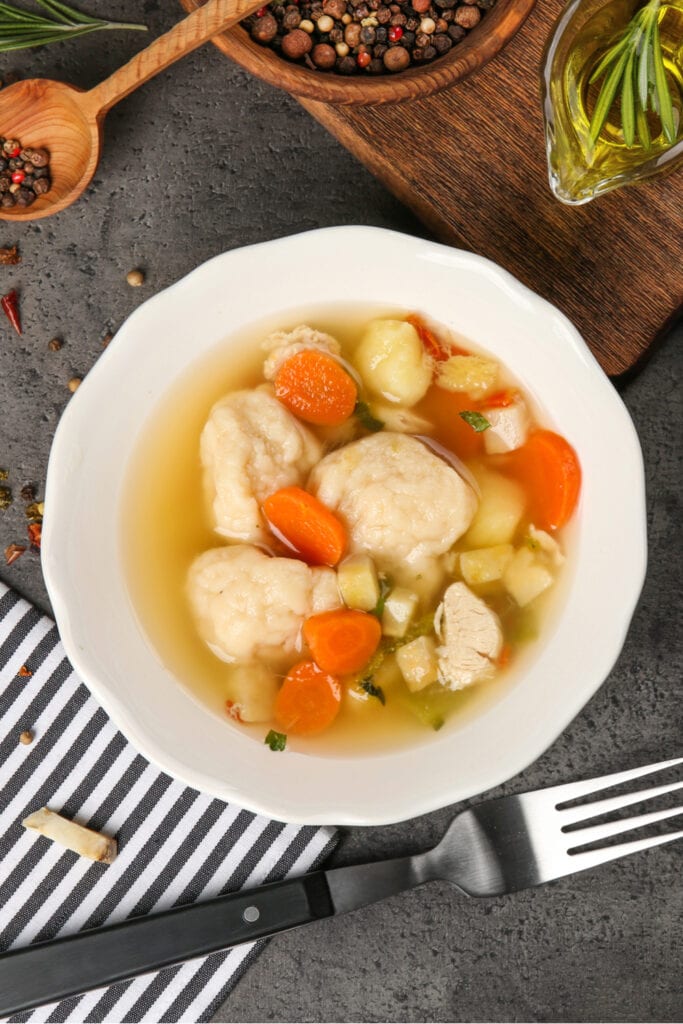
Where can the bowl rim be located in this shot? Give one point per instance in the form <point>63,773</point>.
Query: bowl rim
<point>481,45</point>
<point>64,518</point>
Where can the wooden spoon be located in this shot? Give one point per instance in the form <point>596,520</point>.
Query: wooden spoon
<point>68,122</point>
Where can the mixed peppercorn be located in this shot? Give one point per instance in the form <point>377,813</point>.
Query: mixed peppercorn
<point>24,173</point>
<point>364,36</point>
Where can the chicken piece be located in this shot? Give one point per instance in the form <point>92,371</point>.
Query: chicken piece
<point>247,604</point>
<point>282,344</point>
<point>250,447</point>
<point>471,638</point>
<point>509,427</point>
<point>399,501</point>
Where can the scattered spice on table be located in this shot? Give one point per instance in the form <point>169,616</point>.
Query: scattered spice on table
<point>135,278</point>
<point>35,510</point>
<point>35,533</point>
<point>9,257</point>
<point>5,497</point>
<point>25,672</point>
<point>26,737</point>
<point>106,339</point>
<point>10,307</point>
<point>372,37</point>
<point>24,173</point>
<point>12,552</point>
<point>28,492</point>
<point>74,384</point>
<point>54,345</point>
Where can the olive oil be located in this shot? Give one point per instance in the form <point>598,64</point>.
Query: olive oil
<point>580,165</point>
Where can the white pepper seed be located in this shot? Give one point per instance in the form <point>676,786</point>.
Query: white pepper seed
<point>135,278</point>
<point>427,25</point>
<point>342,49</point>
<point>307,25</point>
<point>74,384</point>
<point>26,737</point>
<point>346,19</point>
<point>325,23</point>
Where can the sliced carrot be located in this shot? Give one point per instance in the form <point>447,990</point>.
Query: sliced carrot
<point>548,467</point>
<point>500,399</point>
<point>434,346</point>
<point>342,641</point>
<point>308,701</point>
<point>503,659</point>
<point>306,525</point>
<point>443,408</point>
<point>316,388</point>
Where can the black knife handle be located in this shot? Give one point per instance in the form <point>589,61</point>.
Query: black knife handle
<point>53,970</point>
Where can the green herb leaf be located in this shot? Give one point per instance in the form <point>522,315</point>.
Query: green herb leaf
<point>385,585</point>
<point>666,110</point>
<point>628,103</point>
<point>276,740</point>
<point>475,420</point>
<point>365,417</point>
<point>374,691</point>
<point>21,29</point>
<point>606,96</point>
<point>634,70</point>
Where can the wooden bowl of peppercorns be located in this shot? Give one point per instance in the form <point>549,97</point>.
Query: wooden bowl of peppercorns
<point>370,51</point>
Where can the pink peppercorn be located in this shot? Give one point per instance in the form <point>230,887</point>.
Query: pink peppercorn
<point>395,33</point>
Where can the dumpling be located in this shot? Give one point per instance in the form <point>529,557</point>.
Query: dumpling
<point>400,502</point>
<point>250,447</point>
<point>247,604</point>
<point>282,344</point>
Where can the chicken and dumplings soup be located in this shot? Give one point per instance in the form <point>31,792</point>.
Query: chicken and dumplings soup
<point>350,535</point>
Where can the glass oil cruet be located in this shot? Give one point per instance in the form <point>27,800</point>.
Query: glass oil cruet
<point>613,95</point>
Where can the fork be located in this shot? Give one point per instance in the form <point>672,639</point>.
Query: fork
<point>495,847</point>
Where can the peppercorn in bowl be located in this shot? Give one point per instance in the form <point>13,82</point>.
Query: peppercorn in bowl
<point>370,51</point>
<point>276,588</point>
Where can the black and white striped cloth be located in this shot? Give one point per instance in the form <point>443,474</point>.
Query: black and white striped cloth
<point>176,845</point>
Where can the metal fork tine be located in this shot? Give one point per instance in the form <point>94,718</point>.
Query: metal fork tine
<point>593,833</point>
<point>573,815</point>
<point>572,790</point>
<point>591,858</point>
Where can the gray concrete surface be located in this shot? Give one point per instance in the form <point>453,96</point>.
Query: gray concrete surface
<point>205,159</point>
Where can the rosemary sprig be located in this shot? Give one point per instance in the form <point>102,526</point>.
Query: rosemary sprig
<point>21,29</point>
<point>634,68</point>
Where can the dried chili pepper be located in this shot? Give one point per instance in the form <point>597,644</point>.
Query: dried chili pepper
<point>12,552</point>
<point>10,257</point>
<point>10,307</point>
<point>35,532</point>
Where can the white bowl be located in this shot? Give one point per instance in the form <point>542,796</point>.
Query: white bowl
<point>83,565</point>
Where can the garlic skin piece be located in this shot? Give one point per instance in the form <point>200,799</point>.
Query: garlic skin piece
<point>83,841</point>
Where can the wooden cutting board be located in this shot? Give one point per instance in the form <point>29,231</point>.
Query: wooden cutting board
<point>470,161</point>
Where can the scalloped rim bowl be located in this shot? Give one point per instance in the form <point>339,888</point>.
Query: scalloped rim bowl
<point>82,559</point>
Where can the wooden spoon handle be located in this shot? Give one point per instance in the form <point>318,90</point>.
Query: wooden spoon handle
<point>197,28</point>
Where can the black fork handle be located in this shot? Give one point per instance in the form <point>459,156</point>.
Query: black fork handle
<point>53,970</point>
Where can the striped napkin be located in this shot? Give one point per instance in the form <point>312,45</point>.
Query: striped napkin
<point>176,845</point>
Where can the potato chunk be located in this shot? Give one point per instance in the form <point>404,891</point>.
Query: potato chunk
<point>399,609</point>
<point>472,374</point>
<point>485,564</point>
<point>526,577</point>
<point>501,507</point>
<point>251,693</point>
<point>358,582</point>
<point>392,363</point>
<point>418,663</point>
